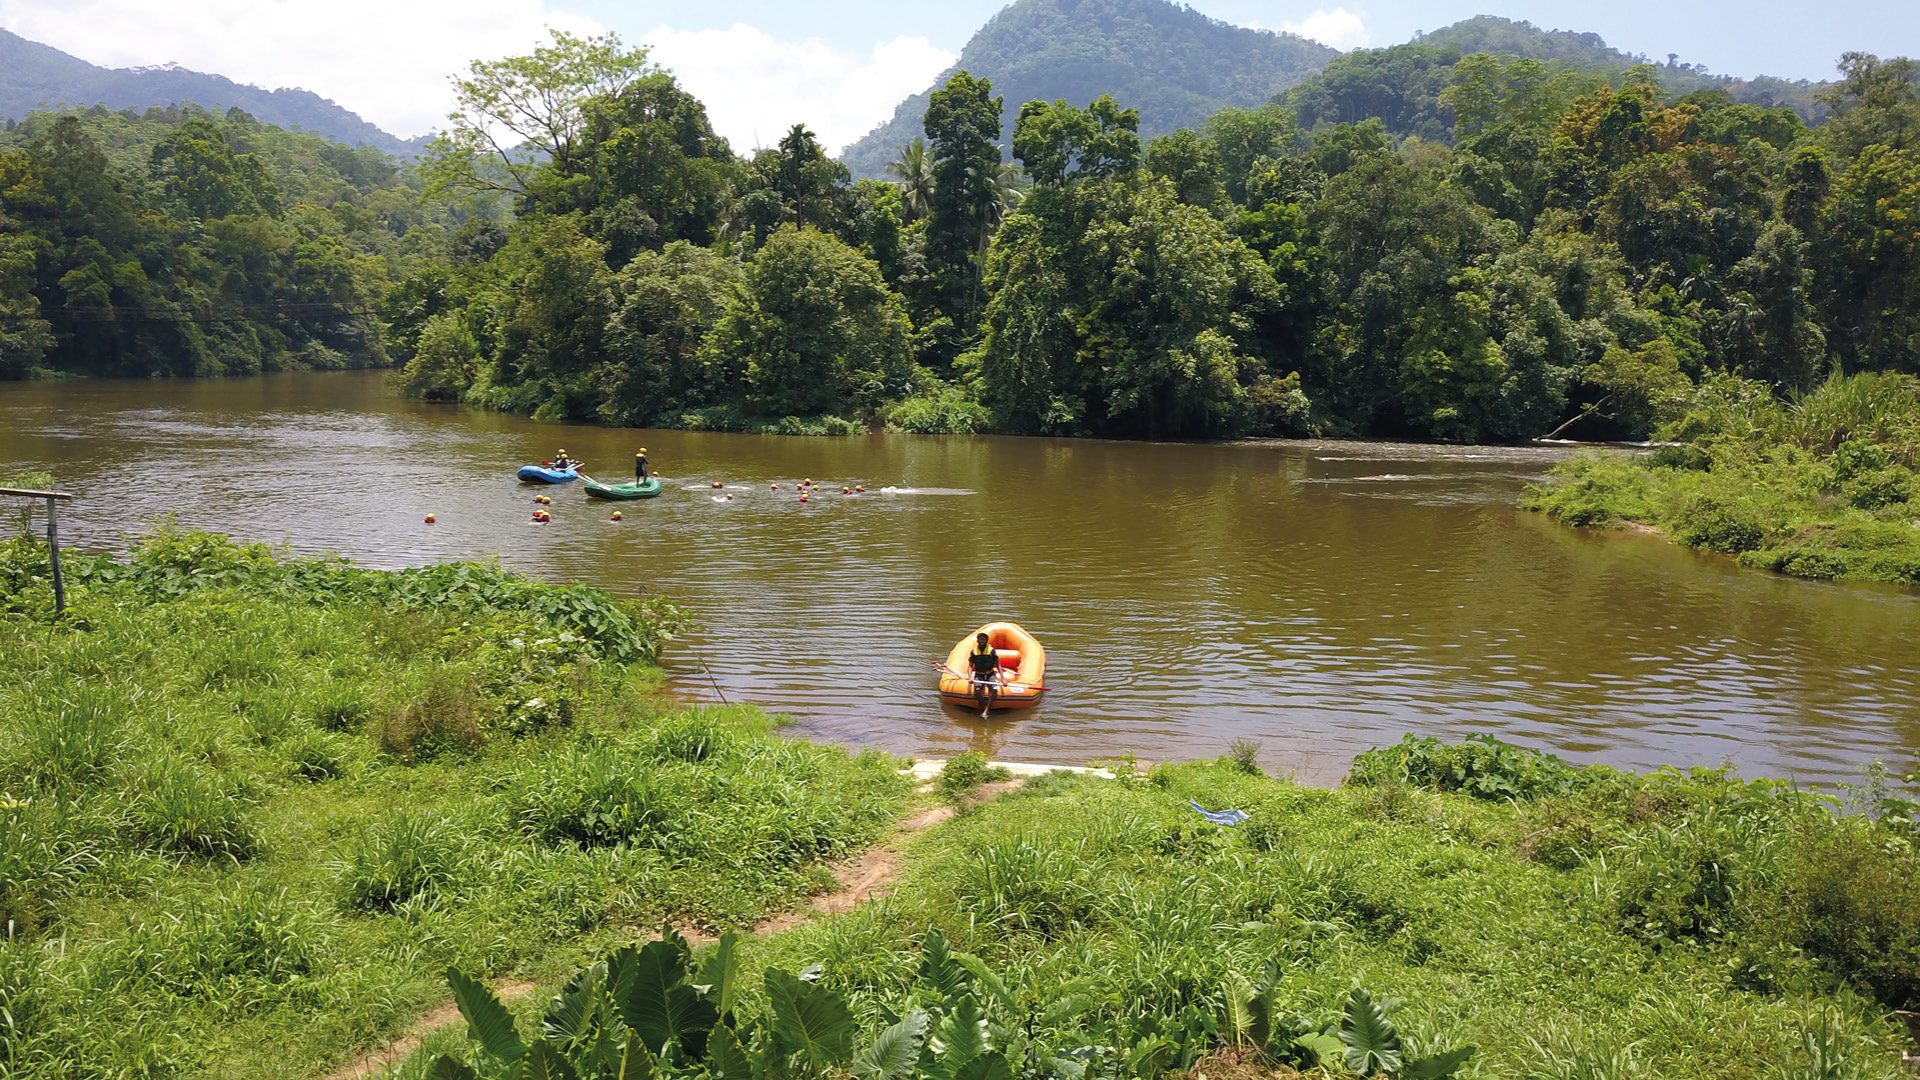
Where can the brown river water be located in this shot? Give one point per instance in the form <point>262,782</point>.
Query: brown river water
<point>1317,598</point>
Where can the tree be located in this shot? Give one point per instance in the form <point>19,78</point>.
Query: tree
<point>511,115</point>
<point>654,171</point>
<point>963,126</point>
<point>197,168</point>
<point>811,184</point>
<point>1876,102</point>
<point>1872,264</point>
<point>1191,164</point>
<point>671,300</point>
<point>913,171</point>
<point>816,330</point>
<point>1057,142</point>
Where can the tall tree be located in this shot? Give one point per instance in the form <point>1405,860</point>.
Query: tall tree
<point>913,171</point>
<point>963,124</point>
<point>510,115</point>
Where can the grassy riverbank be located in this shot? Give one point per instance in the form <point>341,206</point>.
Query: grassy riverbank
<point>251,807</point>
<point>1823,486</point>
<point>1564,923</point>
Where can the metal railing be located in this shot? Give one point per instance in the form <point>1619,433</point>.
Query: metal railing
<point>54,499</point>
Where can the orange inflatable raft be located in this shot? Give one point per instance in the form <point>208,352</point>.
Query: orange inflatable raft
<point>1023,669</point>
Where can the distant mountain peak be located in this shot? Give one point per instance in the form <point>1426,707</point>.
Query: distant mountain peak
<point>1176,65</point>
<point>34,76</point>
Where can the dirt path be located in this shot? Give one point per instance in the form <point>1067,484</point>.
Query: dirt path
<point>864,877</point>
<point>441,1015</point>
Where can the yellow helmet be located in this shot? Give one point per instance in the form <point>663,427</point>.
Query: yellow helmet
<point>642,453</point>
<point>563,451</point>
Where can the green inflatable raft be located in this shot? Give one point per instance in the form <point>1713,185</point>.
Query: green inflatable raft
<point>640,489</point>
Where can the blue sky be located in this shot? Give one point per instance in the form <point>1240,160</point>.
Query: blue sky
<point>840,66</point>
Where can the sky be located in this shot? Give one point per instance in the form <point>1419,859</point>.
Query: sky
<point>839,66</point>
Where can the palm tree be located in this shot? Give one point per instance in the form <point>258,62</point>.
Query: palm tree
<point>1009,191</point>
<point>913,169</point>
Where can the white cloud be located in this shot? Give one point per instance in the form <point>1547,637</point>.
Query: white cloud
<point>756,86</point>
<point>1337,27</point>
<point>388,60</point>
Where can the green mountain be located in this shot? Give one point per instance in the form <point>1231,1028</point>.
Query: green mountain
<point>1173,63</point>
<point>1401,84</point>
<point>35,76</point>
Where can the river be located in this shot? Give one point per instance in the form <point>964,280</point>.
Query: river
<point>1316,598</point>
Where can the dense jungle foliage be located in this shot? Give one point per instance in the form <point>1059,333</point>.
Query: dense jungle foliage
<point>1471,909</point>
<point>1580,246</point>
<point>176,242</point>
<point>251,807</point>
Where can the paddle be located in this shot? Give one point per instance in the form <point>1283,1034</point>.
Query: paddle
<point>938,666</point>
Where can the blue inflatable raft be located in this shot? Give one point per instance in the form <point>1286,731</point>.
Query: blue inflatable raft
<point>540,474</point>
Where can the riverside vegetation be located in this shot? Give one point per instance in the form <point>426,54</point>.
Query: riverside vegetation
<point>251,806</point>
<point>255,808</point>
<point>1445,241</point>
<point>1532,920</point>
<point>1821,486</point>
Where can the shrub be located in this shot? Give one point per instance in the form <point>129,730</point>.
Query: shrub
<point>189,810</point>
<point>68,736</point>
<point>965,771</point>
<point>1245,755</point>
<point>398,859</point>
<point>692,737</point>
<point>1020,887</point>
<point>944,410</point>
<point>592,798</point>
<point>1479,765</point>
<point>317,756</point>
<point>1679,882</point>
<point>41,856</point>
<point>1850,901</point>
<point>1594,490</point>
<point>1880,488</point>
<point>446,713</point>
<point>1715,522</point>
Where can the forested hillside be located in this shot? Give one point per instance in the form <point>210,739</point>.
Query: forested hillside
<point>1172,63</point>
<point>177,242</point>
<point>1402,85</point>
<point>36,77</point>
<point>1573,246</point>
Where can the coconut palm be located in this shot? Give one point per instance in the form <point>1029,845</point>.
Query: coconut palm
<point>1009,191</point>
<point>913,170</point>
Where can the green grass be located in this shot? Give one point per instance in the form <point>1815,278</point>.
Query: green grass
<point>1567,923</point>
<point>1824,487</point>
<point>251,808</point>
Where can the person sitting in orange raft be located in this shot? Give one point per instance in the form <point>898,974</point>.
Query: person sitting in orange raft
<point>987,675</point>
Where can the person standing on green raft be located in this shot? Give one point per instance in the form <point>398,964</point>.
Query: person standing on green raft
<point>640,466</point>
